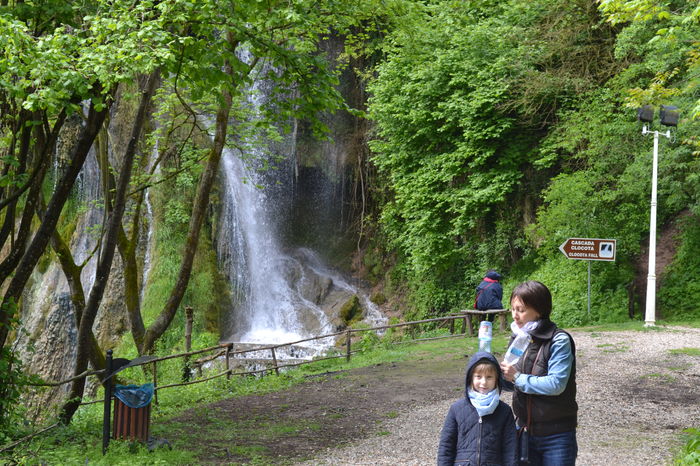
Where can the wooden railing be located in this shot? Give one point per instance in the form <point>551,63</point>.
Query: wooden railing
<point>227,351</point>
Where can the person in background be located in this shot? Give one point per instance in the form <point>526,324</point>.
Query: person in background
<point>489,293</point>
<point>479,428</point>
<point>544,379</point>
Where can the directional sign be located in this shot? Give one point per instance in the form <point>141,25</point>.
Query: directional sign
<point>590,249</point>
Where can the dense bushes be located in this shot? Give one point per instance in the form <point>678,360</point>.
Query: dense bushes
<point>503,130</point>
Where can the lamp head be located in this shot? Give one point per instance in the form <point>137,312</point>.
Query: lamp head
<point>669,115</point>
<point>645,113</point>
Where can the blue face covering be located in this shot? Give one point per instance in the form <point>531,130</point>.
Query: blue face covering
<point>485,403</point>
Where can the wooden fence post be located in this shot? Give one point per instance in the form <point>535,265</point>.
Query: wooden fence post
<point>228,366</point>
<point>108,403</point>
<point>274,361</point>
<point>187,372</point>
<point>155,381</point>
<point>464,325</point>
<point>347,346</point>
<point>502,322</point>
<point>452,326</point>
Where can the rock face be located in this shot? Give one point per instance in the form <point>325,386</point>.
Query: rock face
<point>47,338</point>
<point>339,302</point>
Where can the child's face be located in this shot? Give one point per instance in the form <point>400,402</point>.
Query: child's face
<point>484,379</point>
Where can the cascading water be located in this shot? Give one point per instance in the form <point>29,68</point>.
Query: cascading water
<point>282,291</point>
<point>89,194</point>
<point>149,223</point>
<point>254,262</point>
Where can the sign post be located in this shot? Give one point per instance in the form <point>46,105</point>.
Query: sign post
<point>590,249</point>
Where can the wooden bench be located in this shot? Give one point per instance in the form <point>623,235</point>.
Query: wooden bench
<point>501,313</point>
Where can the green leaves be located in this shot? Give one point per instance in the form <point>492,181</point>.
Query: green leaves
<point>441,132</point>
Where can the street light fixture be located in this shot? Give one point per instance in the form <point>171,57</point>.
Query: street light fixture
<point>669,117</point>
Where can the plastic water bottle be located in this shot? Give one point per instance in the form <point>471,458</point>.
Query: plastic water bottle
<point>516,349</point>
<point>485,333</point>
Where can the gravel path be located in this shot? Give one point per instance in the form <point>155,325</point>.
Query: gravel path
<point>635,397</point>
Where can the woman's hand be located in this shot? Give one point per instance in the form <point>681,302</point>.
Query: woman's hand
<point>508,372</point>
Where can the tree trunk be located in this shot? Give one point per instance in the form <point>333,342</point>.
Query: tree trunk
<point>77,294</point>
<point>201,201</point>
<point>48,225</point>
<point>104,264</point>
<point>127,251</point>
<point>34,184</point>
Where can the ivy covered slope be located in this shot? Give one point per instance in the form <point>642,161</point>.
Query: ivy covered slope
<point>504,128</point>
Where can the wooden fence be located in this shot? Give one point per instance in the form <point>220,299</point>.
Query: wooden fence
<point>227,351</point>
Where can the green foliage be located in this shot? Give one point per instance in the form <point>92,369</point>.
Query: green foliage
<point>12,381</point>
<point>468,135</point>
<point>679,293</point>
<point>568,282</point>
<point>690,454</point>
<point>460,104</point>
<point>207,292</point>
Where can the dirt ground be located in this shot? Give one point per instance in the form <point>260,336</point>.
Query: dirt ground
<point>329,409</point>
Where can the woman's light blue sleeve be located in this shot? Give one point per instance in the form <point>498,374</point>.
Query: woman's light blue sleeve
<point>558,370</point>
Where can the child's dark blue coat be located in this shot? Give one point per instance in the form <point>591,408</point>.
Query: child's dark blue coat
<point>467,439</point>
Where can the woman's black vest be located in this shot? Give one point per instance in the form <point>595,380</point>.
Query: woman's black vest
<point>547,414</point>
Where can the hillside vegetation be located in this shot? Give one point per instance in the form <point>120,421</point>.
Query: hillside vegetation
<point>504,128</point>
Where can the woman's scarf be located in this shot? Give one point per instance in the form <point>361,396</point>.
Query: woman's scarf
<point>525,329</point>
<point>484,403</point>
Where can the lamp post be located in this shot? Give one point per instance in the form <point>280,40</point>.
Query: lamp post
<point>669,117</point>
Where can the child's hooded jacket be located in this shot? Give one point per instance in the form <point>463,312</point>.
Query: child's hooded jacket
<point>467,439</point>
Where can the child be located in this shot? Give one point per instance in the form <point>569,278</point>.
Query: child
<point>479,428</point>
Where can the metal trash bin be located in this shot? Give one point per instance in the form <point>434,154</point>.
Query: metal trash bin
<point>132,412</point>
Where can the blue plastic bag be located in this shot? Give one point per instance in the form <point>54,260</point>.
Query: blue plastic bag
<point>134,396</point>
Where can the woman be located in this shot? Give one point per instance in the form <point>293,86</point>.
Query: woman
<point>544,379</point>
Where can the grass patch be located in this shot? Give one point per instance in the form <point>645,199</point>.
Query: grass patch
<point>690,453</point>
<point>81,441</point>
<point>613,347</point>
<point>660,377</point>
<point>686,351</point>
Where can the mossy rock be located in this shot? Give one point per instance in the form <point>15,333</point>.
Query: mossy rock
<point>351,310</point>
<point>378,298</point>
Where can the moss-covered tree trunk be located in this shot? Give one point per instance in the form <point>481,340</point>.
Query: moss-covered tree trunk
<point>104,264</point>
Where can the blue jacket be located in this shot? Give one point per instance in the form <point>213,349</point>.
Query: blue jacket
<point>489,293</point>
<point>467,439</point>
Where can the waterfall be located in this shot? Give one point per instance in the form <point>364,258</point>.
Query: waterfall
<point>282,291</point>
<point>89,194</point>
<point>254,261</point>
<point>149,223</point>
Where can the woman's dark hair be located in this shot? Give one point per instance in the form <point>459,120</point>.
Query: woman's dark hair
<point>535,295</point>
